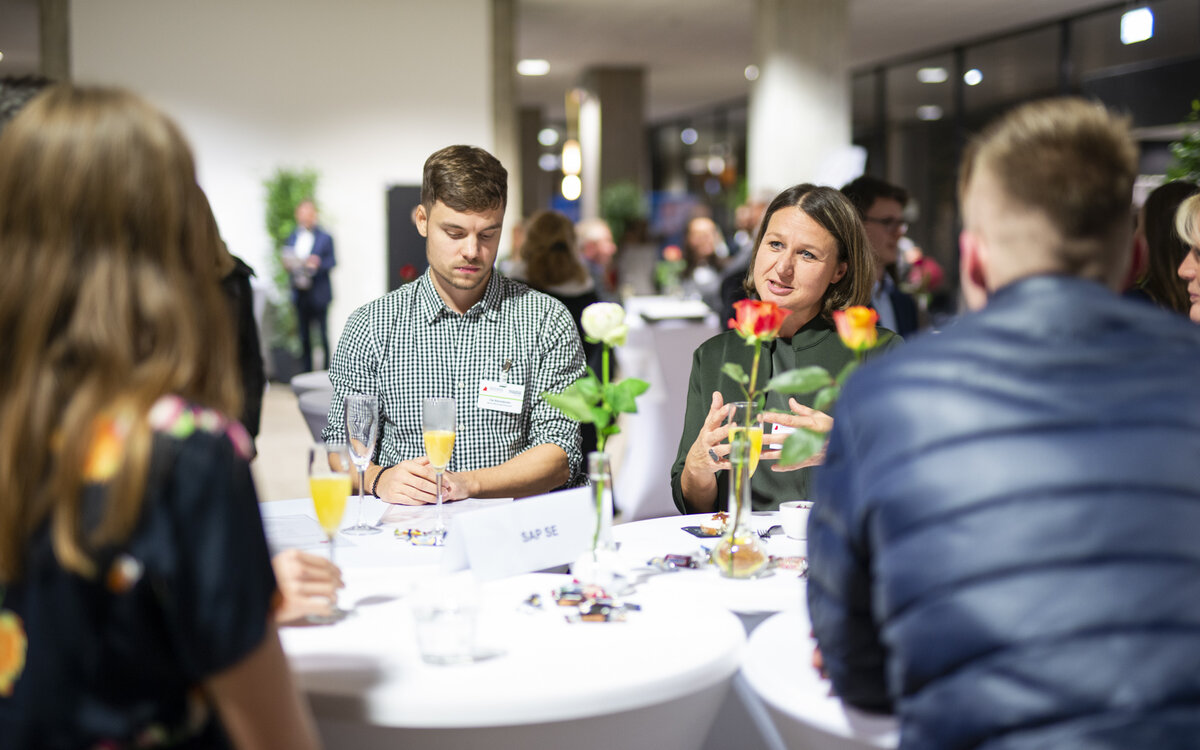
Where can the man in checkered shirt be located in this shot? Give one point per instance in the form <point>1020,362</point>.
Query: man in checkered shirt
<point>463,331</point>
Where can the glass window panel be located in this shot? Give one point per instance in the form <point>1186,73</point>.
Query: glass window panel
<point>1096,39</point>
<point>1012,70</point>
<point>909,99</point>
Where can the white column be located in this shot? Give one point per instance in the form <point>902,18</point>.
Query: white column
<point>590,135</point>
<point>504,110</point>
<point>799,119</point>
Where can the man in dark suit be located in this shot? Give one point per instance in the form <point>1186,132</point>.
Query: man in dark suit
<point>881,207</point>
<point>308,256</point>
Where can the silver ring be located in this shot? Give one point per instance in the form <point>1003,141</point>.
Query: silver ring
<point>713,455</point>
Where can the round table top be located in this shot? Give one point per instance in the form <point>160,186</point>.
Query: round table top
<point>778,590</point>
<point>539,668</point>
<point>778,667</point>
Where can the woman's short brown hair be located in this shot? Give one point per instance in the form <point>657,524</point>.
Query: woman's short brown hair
<point>834,212</point>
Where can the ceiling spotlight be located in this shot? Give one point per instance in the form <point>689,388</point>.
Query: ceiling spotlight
<point>1137,26</point>
<point>751,72</point>
<point>572,187</point>
<point>929,112</point>
<point>932,75</point>
<point>572,157</point>
<point>1,55</point>
<point>533,67</point>
<point>547,136</point>
<point>689,136</point>
<point>973,77</point>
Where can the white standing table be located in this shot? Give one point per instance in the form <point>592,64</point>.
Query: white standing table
<point>660,353</point>
<point>778,667</point>
<point>655,680</point>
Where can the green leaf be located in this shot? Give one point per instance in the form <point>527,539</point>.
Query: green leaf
<point>572,405</point>
<point>609,431</point>
<point>826,398</point>
<point>800,446</point>
<point>621,397</point>
<point>800,380</point>
<point>735,371</point>
<point>588,388</point>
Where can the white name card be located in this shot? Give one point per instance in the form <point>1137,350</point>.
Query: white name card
<point>523,536</point>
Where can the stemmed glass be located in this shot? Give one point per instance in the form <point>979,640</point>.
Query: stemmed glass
<point>742,418</point>
<point>437,428</point>
<point>362,429</point>
<point>329,482</point>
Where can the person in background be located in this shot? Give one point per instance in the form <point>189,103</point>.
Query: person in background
<point>1002,548</point>
<point>703,260</point>
<point>550,264</point>
<point>748,217</point>
<point>465,331</point>
<point>881,207</point>
<point>308,256</point>
<point>1187,225</point>
<point>810,258</point>
<point>114,438</point>
<point>598,250</point>
<point>1164,248</point>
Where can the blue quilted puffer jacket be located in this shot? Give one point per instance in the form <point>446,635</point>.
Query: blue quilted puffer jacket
<point>1005,548</point>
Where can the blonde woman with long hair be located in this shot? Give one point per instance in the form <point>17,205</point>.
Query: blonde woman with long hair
<point>135,582</point>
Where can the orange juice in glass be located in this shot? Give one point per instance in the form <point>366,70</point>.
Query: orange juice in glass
<point>756,440</point>
<point>329,467</point>
<point>742,418</point>
<point>438,424</point>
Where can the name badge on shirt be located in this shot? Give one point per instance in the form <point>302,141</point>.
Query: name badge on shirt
<point>498,396</point>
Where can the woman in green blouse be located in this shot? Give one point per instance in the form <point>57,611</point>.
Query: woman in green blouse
<point>811,257</point>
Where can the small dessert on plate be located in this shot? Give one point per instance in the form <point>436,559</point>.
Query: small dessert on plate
<point>715,526</point>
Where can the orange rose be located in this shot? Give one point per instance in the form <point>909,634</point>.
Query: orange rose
<point>856,326</point>
<point>672,253</point>
<point>12,650</point>
<point>757,320</point>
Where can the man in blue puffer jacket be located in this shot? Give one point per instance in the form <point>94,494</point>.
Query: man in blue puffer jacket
<point>1005,547</point>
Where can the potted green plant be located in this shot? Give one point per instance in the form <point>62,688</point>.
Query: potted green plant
<point>1187,149</point>
<point>622,204</point>
<point>284,191</point>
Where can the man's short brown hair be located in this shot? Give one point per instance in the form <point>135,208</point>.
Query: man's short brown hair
<point>1072,161</point>
<point>464,178</point>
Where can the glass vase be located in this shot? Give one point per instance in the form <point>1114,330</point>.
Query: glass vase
<point>600,565</point>
<point>740,553</point>
<point>600,476</point>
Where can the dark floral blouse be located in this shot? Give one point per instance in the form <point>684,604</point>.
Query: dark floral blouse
<point>119,660</point>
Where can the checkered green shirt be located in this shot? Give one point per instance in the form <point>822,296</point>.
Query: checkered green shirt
<point>408,345</point>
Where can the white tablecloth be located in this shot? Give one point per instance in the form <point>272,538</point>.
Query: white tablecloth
<point>777,591</point>
<point>661,354</point>
<point>655,680</point>
<point>778,667</point>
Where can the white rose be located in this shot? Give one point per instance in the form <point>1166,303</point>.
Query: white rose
<point>605,321</point>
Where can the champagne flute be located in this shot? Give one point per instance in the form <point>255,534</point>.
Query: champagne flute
<point>362,429</point>
<point>438,430</point>
<point>329,482</point>
<point>740,415</point>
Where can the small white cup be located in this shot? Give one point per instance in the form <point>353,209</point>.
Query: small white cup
<point>793,516</point>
